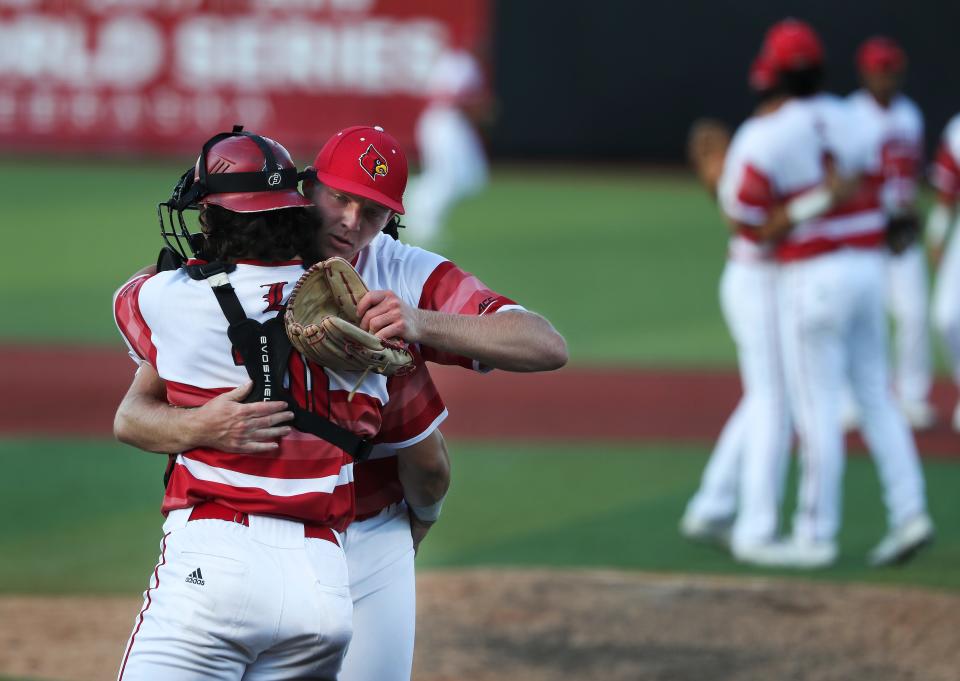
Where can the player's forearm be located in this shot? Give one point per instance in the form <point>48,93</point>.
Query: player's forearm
<point>149,423</point>
<point>424,471</point>
<point>514,340</point>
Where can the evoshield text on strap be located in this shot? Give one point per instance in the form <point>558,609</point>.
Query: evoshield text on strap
<point>265,350</point>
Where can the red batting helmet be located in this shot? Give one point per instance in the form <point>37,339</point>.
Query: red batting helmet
<point>791,45</point>
<point>365,161</point>
<point>881,55</point>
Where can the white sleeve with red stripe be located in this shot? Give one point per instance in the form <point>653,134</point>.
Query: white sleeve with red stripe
<point>745,189</point>
<point>429,281</point>
<point>130,321</point>
<point>414,411</point>
<point>945,174</point>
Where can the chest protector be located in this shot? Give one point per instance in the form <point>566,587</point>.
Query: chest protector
<point>265,350</point>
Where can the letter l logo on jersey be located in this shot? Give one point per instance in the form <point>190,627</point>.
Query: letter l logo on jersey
<point>373,163</point>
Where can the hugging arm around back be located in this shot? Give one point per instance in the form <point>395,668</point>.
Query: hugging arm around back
<point>146,420</point>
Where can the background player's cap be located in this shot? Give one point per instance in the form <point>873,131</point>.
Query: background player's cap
<point>365,161</point>
<point>881,55</point>
<point>762,75</point>
<point>792,45</point>
<point>241,154</point>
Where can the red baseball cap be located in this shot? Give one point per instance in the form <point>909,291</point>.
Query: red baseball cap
<point>762,75</point>
<point>792,44</point>
<point>366,161</point>
<point>881,55</point>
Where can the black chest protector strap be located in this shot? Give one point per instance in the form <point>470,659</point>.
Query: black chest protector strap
<point>265,350</point>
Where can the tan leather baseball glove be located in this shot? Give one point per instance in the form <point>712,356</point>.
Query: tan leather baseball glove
<point>322,323</point>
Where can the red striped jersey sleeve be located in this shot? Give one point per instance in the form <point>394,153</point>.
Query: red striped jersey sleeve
<point>414,410</point>
<point>133,328</point>
<point>945,175</point>
<point>452,290</point>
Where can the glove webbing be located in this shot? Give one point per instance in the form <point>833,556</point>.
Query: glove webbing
<point>253,340</point>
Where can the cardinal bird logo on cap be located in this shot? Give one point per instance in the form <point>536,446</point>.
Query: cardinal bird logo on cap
<point>373,163</point>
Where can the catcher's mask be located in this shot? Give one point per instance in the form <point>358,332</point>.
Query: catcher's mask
<point>237,170</point>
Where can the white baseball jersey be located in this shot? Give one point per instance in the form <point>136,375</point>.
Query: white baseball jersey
<point>894,135</point>
<point>945,174</point>
<point>739,208</point>
<point>789,154</point>
<point>175,323</point>
<point>430,282</point>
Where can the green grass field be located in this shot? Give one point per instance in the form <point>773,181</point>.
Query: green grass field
<point>89,523</point>
<point>626,264</point>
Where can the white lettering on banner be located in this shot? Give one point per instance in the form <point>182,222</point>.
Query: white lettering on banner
<point>127,111</point>
<point>373,56</point>
<point>42,108</point>
<point>314,5</point>
<point>172,6</point>
<point>166,110</point>
<point>128,51</point>
<point>84,110</point>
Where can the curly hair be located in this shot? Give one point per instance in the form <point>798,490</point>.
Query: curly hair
<point>270,236</point>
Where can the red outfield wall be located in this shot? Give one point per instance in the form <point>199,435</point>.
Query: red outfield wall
<point>164,75</point>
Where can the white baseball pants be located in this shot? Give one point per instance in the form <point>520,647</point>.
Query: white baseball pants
<point>746,469</point>
<point>907,296</point>
<point>946,302</point>
<point>383,586</point>
<point>231,602</point>
<point>833,322</point>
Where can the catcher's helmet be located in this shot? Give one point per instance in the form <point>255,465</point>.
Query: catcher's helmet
<point>236,170</point>
<point>365,161</point>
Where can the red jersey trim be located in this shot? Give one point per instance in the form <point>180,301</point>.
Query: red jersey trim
<point>130,320</point>
<point>755,189</point>
<point>790,251</point>
<point>945,176</point>
<point>376,484</point>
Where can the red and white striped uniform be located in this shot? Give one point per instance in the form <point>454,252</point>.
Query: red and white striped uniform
<point>743,475</point>
<point>176,324</point>
<point>430,282</point>
<point>894,135</point>
<point>790,155</point>
<point>744,192</point>
<point>945,173</point>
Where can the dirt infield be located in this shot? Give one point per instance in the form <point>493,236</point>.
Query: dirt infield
<point>575,403</point>
<point>481,625</point>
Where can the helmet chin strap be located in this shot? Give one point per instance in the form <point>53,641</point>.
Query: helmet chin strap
<point>196,183</point>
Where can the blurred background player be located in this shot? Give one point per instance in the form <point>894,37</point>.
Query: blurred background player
<point>832,308</point>
<point>739,494</point>
<point>893,126</point>
<point>945,177</point>
<point>453,163</point>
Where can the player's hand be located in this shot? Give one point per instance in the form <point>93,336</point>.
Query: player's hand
<point>228,424</point>
<point>418,530</point>
<point>777,224</point>
<point>383,314</point>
